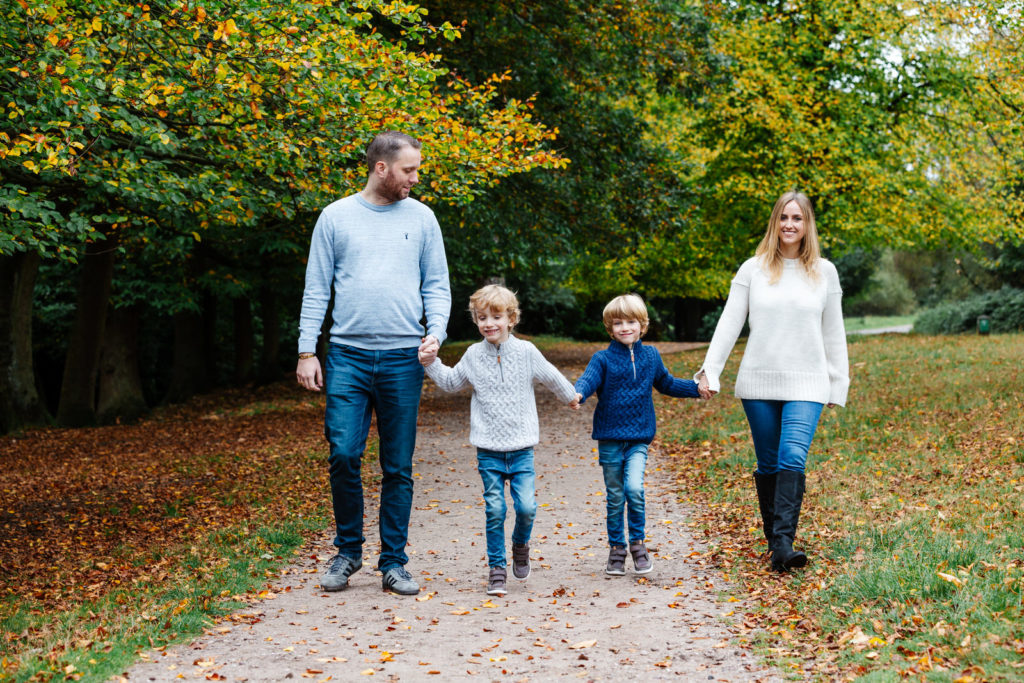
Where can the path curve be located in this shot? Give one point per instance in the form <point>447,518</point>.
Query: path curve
<point>567,620</point>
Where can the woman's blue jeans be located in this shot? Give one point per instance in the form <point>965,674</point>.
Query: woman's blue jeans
<point>782,432</point>
<point>358,382</point>
<point>623,463</point>
<point>515,467</point>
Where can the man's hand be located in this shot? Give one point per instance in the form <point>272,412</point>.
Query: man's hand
<point>309,374</point>
<point>575,402</point>
<point>428,350</point>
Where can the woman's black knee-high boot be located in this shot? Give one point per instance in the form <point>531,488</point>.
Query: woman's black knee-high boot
<point>765,484</point>
<point>789,497</point>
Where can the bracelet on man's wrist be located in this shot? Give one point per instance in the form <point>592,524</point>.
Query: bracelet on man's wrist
<point>306,354</point>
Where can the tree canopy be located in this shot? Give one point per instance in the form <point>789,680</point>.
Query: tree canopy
<point>195,140</point>
<point>178,151</point>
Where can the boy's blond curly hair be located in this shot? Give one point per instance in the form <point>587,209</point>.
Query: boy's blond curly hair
<point>495,298</point>
<point>626,307</point>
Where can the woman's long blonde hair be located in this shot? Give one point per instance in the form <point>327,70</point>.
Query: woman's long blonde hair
<point>768,250</point>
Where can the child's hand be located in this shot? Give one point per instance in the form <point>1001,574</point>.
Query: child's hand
<point>703,388</point>
<point>575,403</point>
<point>427,353</point>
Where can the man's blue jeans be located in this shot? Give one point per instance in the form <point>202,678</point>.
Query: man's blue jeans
<point>623,463</point>
<point>515,467</point>
<point>359,381</point>
<point>782,432</point>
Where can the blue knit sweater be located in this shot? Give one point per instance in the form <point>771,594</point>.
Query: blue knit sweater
<point>622,379</point>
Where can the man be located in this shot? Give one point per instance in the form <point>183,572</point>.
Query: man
<point>384,255</point>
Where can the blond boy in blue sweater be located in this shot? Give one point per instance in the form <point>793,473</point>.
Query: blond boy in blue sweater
<point>622,376</point>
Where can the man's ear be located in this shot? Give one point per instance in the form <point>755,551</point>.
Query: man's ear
<point>381,169</point>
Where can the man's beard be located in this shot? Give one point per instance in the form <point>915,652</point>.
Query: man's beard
<point>392,189</point>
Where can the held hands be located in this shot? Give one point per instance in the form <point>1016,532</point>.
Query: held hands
<point>428,350</point>
<point>575,403</point>
<point>703,388</point>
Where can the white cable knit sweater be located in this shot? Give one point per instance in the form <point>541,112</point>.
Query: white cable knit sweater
<point>503,410</point>
<point>797,345</point>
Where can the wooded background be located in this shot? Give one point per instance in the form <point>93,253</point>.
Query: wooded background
<point>163,164</point>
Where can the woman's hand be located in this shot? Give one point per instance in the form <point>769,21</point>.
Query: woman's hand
<point>703,388</point>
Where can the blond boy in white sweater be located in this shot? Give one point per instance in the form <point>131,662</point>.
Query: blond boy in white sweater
<point>503,420</point>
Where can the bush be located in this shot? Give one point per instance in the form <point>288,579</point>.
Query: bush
<point>1005,307</point>
<point>887,292</point>
<point>709,322</point>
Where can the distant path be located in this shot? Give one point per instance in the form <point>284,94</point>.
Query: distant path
<point>567,620</point>
<point>898,329</point>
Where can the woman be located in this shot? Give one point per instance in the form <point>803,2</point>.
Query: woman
<point>795,361</point>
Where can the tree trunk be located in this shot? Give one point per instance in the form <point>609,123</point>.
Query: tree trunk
<point>19,400</point>
<point>121,397</point>
<point>270,354</point>
<point>211,350</point>
<point>688,314</point>
<point>244,342</point>
<point>189,375</point>
<point>77,406</point>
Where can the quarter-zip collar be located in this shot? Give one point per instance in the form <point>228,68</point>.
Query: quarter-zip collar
<point>496,351</point>
<point>632,351</point>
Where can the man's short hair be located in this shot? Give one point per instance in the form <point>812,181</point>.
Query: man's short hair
<point>385,146</point>
<point>626,307</point>
<point>495,298</point>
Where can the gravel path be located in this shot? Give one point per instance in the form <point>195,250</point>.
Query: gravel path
<point>567,620</point>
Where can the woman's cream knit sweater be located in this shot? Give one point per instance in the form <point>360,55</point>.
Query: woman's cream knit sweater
<point>796,350</point>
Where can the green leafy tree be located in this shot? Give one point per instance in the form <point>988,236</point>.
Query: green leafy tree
<point>131,128</point>
<point>887,115</point>
<point>568,237</point>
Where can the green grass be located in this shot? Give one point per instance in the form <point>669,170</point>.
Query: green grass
<point>912,518</point>
<point>870,322</point>
<point>101,638</point>
<point>186,585</point>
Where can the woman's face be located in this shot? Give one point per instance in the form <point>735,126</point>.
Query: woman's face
<point>791,230</point>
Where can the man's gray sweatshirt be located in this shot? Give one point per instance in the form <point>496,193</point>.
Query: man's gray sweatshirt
<point>389,271</point>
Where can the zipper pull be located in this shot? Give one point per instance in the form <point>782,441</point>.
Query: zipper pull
<point>632,360</point>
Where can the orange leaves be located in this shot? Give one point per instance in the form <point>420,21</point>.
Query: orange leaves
<point>225,29</point>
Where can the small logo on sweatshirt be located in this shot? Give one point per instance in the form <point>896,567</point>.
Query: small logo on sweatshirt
<point>406,235</point>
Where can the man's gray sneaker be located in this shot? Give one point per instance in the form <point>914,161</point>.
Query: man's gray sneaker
<point>339,568</point>
<point>399,581</point>
<point>616,561</point>
<point>520,560</point>
<point>641,558</point>
<point>496,581</point>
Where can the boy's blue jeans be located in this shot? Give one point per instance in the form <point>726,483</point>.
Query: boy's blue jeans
<point>623,463</point>
<point>782,432</point>
<point>359,381</point>
<point>516,467</point>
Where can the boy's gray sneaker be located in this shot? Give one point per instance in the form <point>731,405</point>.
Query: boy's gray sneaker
<point>520,560</point>
<point>496,581</point>
<point>339,568</point>
<point>641,559</point>
<point>616,561</point>
<point>399,581</point>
